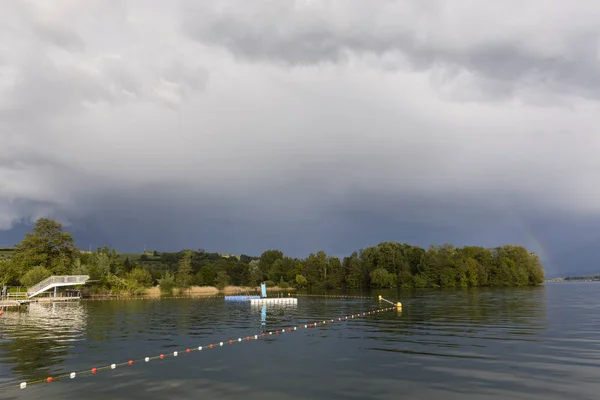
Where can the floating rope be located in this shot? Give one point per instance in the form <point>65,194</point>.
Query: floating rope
<point>95,370</point>
<point>193,296</point>
<point>333,296</point>
<point>213,296</point>
<point>202,296</point>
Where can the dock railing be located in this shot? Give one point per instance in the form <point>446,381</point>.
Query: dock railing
<point>57,280</point>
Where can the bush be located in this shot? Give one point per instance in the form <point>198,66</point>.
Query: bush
<point>301,281</point>
<point>269,283</point>
<point>167,283</point>
<point>35,275</point>
<point>141,276</point>
<point>283,284</point>
<point>138,280</point>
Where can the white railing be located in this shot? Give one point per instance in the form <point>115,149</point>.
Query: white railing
<point>57,280</point>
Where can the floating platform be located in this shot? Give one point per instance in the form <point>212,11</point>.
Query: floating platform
<point>241,298</point>
<point>274,300</point>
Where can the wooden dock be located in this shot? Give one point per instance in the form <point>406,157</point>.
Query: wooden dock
<point>6,304</point>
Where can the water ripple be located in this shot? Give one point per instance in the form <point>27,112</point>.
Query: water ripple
<point>529,343</point>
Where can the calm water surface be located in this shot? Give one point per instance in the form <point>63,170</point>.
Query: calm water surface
<point>528,343</point>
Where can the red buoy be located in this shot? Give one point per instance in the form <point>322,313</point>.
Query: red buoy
<point>49,379</point>
<point>94,370</point>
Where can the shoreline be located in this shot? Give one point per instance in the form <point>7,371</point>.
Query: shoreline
<point>194,291</point>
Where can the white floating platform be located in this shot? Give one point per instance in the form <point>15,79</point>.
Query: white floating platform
<point>275,300</point>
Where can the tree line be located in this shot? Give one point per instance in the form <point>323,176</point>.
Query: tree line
<point>49,250</point>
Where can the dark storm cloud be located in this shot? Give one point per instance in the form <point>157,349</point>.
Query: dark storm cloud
<point>242,126</point>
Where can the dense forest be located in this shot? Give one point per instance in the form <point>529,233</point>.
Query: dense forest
<point>49,250</point>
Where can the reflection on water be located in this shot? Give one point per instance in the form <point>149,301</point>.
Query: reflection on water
<point>277,312</point>
<point>530,343</point>
<point>38,338</point>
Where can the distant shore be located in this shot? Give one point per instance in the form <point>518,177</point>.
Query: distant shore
<point>595,278</point>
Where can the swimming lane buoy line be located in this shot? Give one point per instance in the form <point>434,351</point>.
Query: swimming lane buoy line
<point>212,296</point>
<point>162,356</point>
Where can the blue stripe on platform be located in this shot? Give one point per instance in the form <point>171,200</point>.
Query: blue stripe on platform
<point>241,298</point>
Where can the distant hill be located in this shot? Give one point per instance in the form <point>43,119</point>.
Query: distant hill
<point>5,252</point>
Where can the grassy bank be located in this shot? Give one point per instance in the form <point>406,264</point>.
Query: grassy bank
<point>213,291</point>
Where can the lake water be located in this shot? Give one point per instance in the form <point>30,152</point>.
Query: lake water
<point>523,343</point>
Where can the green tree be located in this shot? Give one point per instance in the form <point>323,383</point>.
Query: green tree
<point>315,269</point>
<point>381,278</point>
<point>47,246</point>
<point>266,261</point>
<point>353,272</point>
<point>8,272</point>
<point>206,276</point>
<point>99,266</point>
<point>255,275</point>
<point>184,273</point>
<point>79,268</point>
<point>222,280</point>
<point>127,266</point>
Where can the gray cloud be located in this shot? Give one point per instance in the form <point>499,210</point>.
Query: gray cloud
<point>300,125</point>
<point>503,49</point>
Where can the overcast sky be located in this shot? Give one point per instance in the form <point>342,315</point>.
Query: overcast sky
<point>240,126</point>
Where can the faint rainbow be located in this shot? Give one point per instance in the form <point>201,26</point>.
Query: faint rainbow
<point>534,242</point>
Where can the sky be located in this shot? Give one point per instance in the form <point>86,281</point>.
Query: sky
<point>303,125</point>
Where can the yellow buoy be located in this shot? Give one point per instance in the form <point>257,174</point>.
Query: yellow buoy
<point>399,306</point>
<point>380,297</point>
